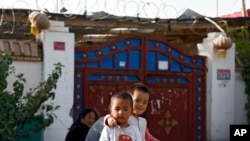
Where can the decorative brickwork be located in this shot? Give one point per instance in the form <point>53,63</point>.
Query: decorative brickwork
<point>22,50</point>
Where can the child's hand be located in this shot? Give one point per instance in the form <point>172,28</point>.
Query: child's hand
<point>111,122</point>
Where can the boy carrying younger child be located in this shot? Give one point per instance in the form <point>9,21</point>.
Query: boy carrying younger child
<point>140,95</point>
<point>121,109</point>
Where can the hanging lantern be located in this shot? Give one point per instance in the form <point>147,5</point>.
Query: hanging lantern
<point>222,43</point>
<point>38,21</point>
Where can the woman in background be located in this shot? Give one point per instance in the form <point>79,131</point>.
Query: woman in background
<point>79,129</point>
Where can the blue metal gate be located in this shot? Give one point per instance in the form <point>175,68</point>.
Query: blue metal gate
<point>177,108</point>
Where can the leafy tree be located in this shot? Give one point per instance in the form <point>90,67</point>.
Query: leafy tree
<point>242,42</point>
<point>19,108</point>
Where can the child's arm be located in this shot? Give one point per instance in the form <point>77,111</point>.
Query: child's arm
<point>149,136</point>
<point>109,121</point>
<point>104,135</point>
<point>138,136</point>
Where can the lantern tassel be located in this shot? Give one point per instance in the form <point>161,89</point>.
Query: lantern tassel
<point>34,30</point>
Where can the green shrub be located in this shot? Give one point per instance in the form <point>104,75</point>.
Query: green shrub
<point>242,41</point>
<point>19,108</point>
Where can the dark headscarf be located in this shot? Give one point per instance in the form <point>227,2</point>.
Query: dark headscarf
<point>82,115</point>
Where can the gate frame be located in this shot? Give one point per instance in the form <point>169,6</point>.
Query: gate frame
<point>199,119</point>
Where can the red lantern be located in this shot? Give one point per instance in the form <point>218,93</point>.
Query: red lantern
<point>222,43</point>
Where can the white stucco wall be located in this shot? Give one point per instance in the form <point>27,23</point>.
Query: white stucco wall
<point>240,98</point>
<point>32,73</point>
<point>225,99</point>
<point>65,86</point>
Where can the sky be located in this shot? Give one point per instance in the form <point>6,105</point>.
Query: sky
<point>145,8</point>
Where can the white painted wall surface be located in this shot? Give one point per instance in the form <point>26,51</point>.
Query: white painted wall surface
<point>224,104</point>
<point>32,73</point>
<point>65,86</point>
<point>240,100</point>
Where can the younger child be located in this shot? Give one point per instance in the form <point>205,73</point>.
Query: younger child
<point>140,95</point>
<point>121,109</point>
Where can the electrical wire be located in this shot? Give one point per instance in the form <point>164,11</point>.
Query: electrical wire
<point>211,21</point>
<point>225,25</point>
<point>191,27</point>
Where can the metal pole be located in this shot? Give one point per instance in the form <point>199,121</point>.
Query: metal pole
<point>217,6</point>
<point>243,8</point>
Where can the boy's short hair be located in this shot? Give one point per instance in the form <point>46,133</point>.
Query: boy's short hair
<point>122,95</point>
<point>139,87</point>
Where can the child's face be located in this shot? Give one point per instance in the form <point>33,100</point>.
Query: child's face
<point>120,109</point>
<point>140,100</point>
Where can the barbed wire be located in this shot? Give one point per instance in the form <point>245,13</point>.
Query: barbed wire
<point>118,7</point>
